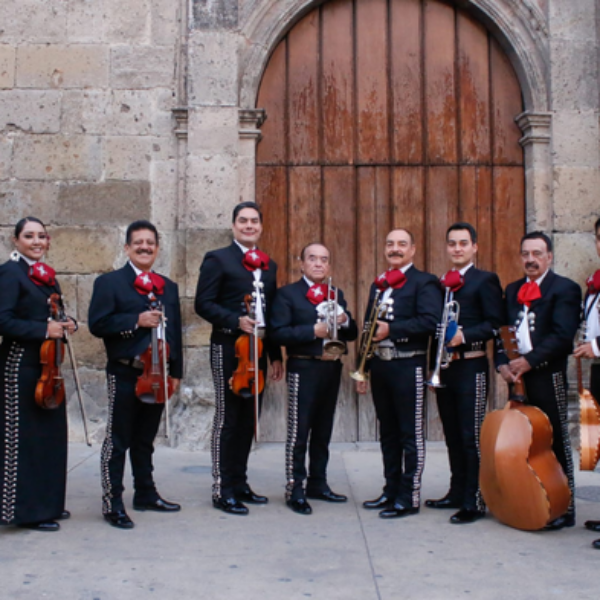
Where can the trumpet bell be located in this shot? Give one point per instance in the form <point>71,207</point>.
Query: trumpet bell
<point>334,347</point>
<point>359,376</point>
<point>435,382</point>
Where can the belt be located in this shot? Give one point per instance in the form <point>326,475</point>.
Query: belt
<point>387,353</point>
<point>470,354</point>
<point>306,357</point>
<point>131,362</point>
<point>596,361</point>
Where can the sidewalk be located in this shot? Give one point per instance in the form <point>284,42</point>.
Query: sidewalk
<point>339,552</point>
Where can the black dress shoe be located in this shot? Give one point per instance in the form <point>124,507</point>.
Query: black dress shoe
<point>328,496</point>
<point>119,519</point>
<point>41,526</point>
<point>382,502</point>
<point>446,502</point>
<point>231,506</point>
<point>159,505</point>
<point>592,525</point>
<point>596,544</point>
<point>64,515</point>
<point>560,522</point>
<point>251,497</point>
<point>467,515</point>
<point>300,506</point>
<point>397,510</point>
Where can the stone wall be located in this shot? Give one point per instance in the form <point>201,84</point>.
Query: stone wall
<point>116,110</point>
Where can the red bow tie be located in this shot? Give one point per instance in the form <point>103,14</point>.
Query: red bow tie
<point>453,280</point>
<point>529,292</point>
<point>317,293</point>
<point>393,278</point>
<point>256,259</point>
<point>593,283</point>
<point>42,274</point>
<point>149,282</point>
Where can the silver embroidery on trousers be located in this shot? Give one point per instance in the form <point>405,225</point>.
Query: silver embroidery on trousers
<point>563,411</point>
<point>419,436</point>
<point>216,361</point>
<point>292,432</point>
<point>107,447</point>
<point>11,426</point>
<point>480,406</point>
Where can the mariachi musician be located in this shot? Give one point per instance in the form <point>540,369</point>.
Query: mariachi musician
<point>310,318</point>
<point>462,388</point>
<point>591,347</point>
<point>544,307</point>
<point>413,303</point>
<point>33,443</point>
<point>229,276</point>
<point>123,312</point>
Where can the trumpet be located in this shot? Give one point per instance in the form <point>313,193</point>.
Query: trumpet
<point>329,312</point>
<point>367,346</point>
<point>443,356</point>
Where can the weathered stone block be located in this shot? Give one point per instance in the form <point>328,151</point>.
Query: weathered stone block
<point>108,202</point>
<point>574,74</point>
<point>86,21</point>
<point>212,192</point>
<point>56,66</point>
<point>215,14</point>
<point>6,244</point>
<point>198,243</point>
<point>34,21</point>
<point>213,68</point>
<point>57,157</point>
<point>142,67</point>
<point>213,130</point>
<point>196,330</point>
<point>68,287</point>
<point>89,350</point>
<point>197,385</point>
<point>31,111</point>
<point>127,157</point>
<point>127,22</point>
<point>164,196</point>
<point>85,286</point>
<point>165,21</point>
<point>22,198</point>
<point>85,111</point>
<point>575,255</point>
<point>575,198</point>
<point>6,146</point>
<point>7,66</point>
<point>132,112</point>
<point>84,249</point>
<point>575,139</point>
<point>573,20</point>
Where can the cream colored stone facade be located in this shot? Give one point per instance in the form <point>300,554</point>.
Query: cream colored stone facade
<point>116,110</point>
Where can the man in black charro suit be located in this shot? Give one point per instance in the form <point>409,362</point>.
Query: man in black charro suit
<point>545,308</point>
<point>314,368</point>
<point>120,314</point>
<point>462,399</point>
<point>227,275</point>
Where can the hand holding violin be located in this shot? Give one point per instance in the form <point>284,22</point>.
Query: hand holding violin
<point>247,324</point>
<point>56,329</point>
<point>150,319</point>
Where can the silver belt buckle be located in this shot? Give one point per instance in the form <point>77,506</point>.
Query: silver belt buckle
<point>386,353</point>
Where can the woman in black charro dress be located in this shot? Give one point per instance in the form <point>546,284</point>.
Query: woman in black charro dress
<point>33,440</point>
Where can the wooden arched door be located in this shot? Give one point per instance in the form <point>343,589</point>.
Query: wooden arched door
<point>386,113</point>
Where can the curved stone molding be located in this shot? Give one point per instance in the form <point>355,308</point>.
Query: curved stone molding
<point>519,26</point>
<point>535,127</point>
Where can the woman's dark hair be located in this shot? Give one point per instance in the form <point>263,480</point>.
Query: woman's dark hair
<point>138,226</point>
<point>21,225</point>
<point>242,205</point>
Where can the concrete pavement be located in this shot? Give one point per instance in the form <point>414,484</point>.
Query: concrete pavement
<point>339,552</point>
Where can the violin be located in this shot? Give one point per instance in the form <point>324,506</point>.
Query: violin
<point>248,379</point>
<point>154,385</point>
<point>589,425</point>
<point>50,388</point>
<point>520,477</point>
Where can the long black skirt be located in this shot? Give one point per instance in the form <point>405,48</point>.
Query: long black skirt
<point>33,442</point>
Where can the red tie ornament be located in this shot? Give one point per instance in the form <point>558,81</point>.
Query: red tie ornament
<point>317,293</point>
<point>453,280</point>
<point>42,274</point>
<point>256,259</point>
<point>149,282</point>
<point>593,283</point>
<point>393,278</point>
<point>529,292</point>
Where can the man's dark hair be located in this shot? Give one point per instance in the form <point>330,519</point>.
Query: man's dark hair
<point>597,226</point>
<point>410,234</point>
<point>461,225</point>
<point>242,205</point>
<point>138,226</point>
<point>21,225</point>
<point>303,251</point>
<point>538,235</point>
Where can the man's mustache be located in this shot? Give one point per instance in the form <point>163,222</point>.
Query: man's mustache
<point>398,254</point>
<point>149,252</point>
<point>531,265</point>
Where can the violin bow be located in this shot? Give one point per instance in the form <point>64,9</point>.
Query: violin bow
<point>163,322</point>
<point>256,377</point>
<point>78,387</point>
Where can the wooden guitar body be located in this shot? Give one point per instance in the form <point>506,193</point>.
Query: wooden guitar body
<point>589,432</point>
